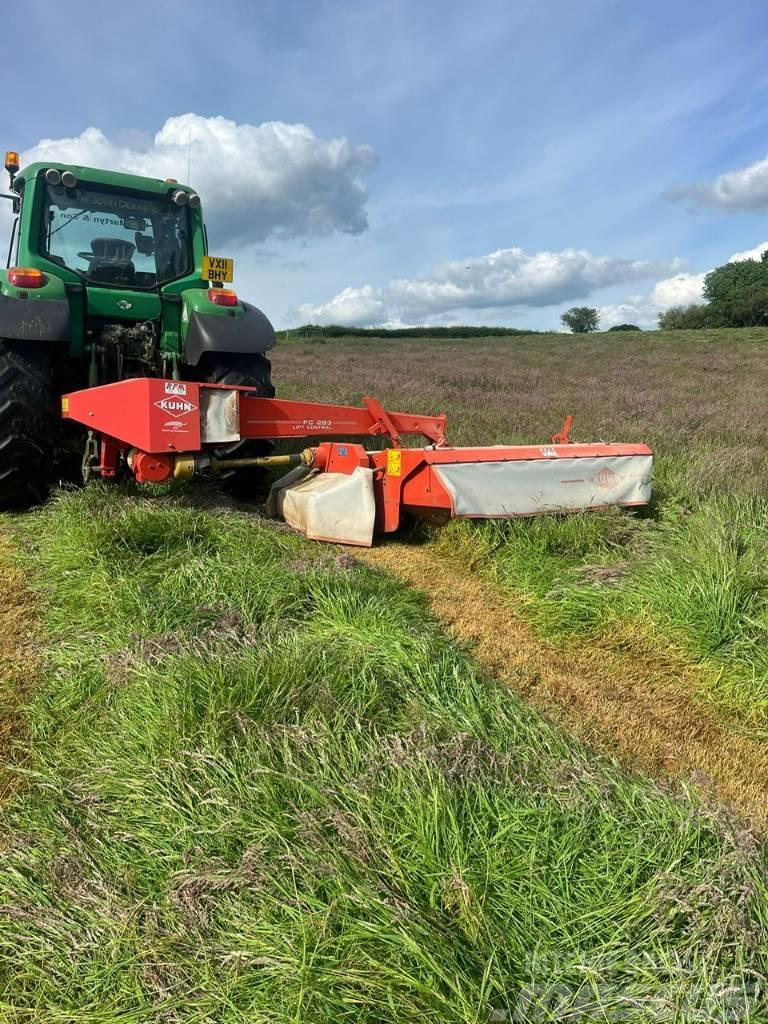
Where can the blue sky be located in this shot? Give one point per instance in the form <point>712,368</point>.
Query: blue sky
<point>502,160</point>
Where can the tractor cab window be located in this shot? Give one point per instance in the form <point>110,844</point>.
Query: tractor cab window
<point>112,238</point>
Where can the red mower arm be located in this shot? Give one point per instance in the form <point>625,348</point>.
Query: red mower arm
<point>160,416</point>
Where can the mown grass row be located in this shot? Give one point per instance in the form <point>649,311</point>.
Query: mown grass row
<point>692,579</point>
<point>259,784</point>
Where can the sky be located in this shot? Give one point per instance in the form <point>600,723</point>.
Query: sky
<point>422,162</point>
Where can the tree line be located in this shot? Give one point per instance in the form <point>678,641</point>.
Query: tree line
<point>735,295</point>
<point>338,331</point>
<point>585,320</point>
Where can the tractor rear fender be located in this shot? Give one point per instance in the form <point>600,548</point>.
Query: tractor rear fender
<point>242,329</point>
<point>34,314</point>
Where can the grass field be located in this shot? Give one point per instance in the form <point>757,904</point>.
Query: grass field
<point>248,778</point>
<point>256,782</point>
<point>690,577</point>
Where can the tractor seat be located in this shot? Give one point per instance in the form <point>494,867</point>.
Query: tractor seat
<point>109,261</point>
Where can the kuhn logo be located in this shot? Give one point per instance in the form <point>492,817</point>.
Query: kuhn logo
<point>607,478</point>
<point>175,406</point>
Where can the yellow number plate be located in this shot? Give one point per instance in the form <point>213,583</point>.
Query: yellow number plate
<point>218,268</point>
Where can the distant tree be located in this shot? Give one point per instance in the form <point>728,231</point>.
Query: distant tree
<point>624,327</point>
<point>738,292</point>
<point>690,318</point>
<point>581,319</point>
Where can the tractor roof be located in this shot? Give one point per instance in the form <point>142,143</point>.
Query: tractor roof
<point>97,176</point>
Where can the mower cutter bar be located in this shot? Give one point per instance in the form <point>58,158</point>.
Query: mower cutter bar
<point>340,491</point>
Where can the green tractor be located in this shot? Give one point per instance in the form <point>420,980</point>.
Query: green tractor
<point>108,276</point>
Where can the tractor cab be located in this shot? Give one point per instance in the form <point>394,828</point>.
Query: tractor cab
<point>124,240</point>
<point>123,246</point>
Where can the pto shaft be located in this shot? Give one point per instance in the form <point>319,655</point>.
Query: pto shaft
<point>188,466</point>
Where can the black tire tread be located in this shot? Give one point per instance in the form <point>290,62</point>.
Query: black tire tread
<point>253,370</point>
<point>26,424</point>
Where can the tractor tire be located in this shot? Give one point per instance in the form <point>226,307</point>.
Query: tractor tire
<point>27,425</point>
<point>255,371</point>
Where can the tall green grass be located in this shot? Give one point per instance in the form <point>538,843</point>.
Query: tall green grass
<point>260,784</point>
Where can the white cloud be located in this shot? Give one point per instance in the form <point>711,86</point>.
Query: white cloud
<point>749,254</point>
<point>743,189</point>
<point>502,279</point>
<point>512,277</point>
<point>351,306</point>
<point>256,181</point>
<point>680,290</point>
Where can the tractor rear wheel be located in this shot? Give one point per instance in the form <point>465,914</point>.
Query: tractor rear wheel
<point>26,424</point>
<point>255,371</point>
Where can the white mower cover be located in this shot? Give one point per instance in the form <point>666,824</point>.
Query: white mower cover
<point>497,490</point>
<point>328,506</point>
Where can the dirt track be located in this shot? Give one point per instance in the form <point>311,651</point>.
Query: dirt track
<point>642,713</point>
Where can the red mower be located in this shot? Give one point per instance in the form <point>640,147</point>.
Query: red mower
<point>339,491</point>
